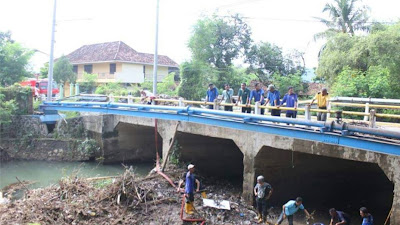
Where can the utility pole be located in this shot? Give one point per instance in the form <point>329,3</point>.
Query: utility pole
<point>51,62</point>
<point>156,53</point>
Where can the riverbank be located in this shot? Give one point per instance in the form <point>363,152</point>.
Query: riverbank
<point>126,199</point>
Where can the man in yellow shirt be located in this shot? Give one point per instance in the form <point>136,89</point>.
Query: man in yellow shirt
<point>322,101</point>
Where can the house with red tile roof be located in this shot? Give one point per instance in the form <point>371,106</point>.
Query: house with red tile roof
<point>116,61</point>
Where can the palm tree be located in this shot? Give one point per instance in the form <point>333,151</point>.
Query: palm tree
<point>345,17</point>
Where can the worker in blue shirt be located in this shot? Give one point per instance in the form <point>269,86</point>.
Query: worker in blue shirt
<point>290,208</point>
<point>366,216</point>
<point>273,98</point>
<point>339,217</point>
<point>189,190</point>
<point>258,95</point>
<point>290,99</point>
<point>212,94</point>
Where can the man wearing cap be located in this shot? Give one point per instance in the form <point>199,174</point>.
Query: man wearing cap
<point>322,101</point>
<point>189,190</point>
<point>273,98</point>
<point>212,94</point>
<point>263,192</point>
<point>290,208</point>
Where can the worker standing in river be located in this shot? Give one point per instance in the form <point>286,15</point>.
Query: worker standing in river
<point>290,208</point>
<point>366,216</point>
<point>339,217</point>
<point>189,190</point>
<point>263,192</point>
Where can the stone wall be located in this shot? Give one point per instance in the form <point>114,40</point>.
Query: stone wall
<point>23,126</point>
<point>27,138</point>
<point>47,149</point>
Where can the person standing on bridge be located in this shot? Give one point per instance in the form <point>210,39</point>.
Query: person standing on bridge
<point>290,99</point>
<point>227,96</point>
<point>244,94</point>
<point>322,101</point>
<point>273,98</point>
<point>146,97</point>
<point>189,190</point>
<point>290,208</point>
<point>263,192</point>
<point>258,95</point>
<point>212,94</point>
<point>339,217</point>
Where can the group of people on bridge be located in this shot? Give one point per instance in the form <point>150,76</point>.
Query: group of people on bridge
<point>262,192</point>
<point>272,97</point>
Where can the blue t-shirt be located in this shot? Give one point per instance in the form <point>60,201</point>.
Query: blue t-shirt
<point>189,184</point>
<point>368,220</point>
<point>290,101</point>
<point>291,207</point>
<point>272,96</point>
<point>257,95</point>
<point>212,94</point>
<point>343,217</point>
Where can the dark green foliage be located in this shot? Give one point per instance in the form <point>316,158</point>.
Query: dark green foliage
<point>14,60</point>
<point>62,72</point>
<point>366,66</point>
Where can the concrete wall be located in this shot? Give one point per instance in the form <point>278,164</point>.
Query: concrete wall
<point>130,73</point>
<point>275,153</point>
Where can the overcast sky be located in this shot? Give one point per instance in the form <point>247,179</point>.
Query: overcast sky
<point>286,23</point>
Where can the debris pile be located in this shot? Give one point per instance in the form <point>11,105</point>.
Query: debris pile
<point>125,199</point>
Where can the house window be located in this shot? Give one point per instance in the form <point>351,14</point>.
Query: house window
<point>113,68</point>
<point>75,69</point>
<point>88,68</point>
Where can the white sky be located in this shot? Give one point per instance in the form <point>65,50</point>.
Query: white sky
<point>286,23</point>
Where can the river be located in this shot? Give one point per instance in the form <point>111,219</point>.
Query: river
<point>45,173</point>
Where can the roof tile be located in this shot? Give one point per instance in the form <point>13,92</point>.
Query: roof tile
<point>115,51</point>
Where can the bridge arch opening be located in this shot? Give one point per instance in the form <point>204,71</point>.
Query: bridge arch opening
<point>131,143</point>
<point>214,157</point>
<point>326,182</point>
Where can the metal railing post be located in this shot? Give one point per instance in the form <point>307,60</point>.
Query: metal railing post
<point>71,89</point>
<point>328,107</point>
<point>61,95</point>
<point>76,89</point>
<point>257,109</point>
<point>366,111</point>
<point>111,97</point>
<point>181,103</point>
<point>307,113</point>
<point>130,100</point>
<point>216,105</point>
<point>372,119</point>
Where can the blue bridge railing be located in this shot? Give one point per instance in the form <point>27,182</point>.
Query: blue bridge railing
<point>332,132</point>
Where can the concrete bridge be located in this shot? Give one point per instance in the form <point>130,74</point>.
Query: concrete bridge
<point>328,164</point>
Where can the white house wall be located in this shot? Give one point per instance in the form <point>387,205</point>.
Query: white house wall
<point>131,73</point>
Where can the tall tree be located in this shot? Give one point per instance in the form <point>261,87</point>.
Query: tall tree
<point>44,70</point>
<point>344,17</point>
<point>266,59</point>
<point>218,41</point>
<point>14,60</point>
<point>63,71</point>
<point>374,55</point>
